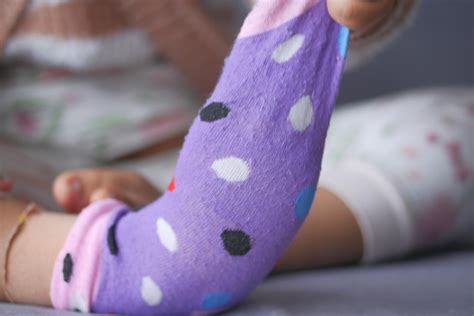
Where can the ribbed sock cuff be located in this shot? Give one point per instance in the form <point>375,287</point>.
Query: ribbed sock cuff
<point>77,266</point>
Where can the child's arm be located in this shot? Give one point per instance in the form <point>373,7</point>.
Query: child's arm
<point>31,252</point>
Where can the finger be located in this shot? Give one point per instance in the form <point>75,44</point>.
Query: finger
<point>138,196</point>
<point>72,189</point>
<point>132,188</point>
<point>103,193</point>
<point>359,15</point>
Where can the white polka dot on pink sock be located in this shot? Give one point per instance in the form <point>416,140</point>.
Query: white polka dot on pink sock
<point>78,303</point>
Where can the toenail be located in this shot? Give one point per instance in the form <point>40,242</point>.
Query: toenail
<point>75,184</point>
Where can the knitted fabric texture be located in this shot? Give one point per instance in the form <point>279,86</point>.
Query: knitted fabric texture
<point>244,182</point>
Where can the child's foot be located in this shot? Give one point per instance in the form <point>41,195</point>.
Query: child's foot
<point>74,190</point>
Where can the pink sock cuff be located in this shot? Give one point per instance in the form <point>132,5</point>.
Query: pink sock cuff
<point>269,14</point>
<point>77,266</point>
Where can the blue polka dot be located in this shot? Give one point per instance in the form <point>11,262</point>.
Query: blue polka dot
<point>304,201</point>
<point>215,300</point>
<point>343,41</point>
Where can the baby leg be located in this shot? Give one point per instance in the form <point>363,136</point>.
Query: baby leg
<point>403,166</point>
<point>330,235</point>
<point>395,187</point>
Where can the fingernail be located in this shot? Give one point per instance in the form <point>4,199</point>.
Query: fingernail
<point>75,184</point>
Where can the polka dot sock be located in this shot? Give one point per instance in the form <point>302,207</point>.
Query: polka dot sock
<point>244,182</point>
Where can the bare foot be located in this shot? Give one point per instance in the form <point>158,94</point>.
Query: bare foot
<point>74,190</point>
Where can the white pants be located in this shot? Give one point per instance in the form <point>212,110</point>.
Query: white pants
<point>405,166</point>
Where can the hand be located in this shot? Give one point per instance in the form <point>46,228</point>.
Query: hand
<point>74,190</point>
<point>361,16</point>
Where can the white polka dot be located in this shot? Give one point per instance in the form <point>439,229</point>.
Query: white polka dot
<point>77,302</point>
<point>301,114</point>
<point>166,234</point>
<point>151,292</point>
<point>286,50</point>
<point>231,169</point>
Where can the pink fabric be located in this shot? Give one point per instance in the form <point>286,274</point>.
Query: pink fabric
<point>259,20</point>
<point>84,244</point>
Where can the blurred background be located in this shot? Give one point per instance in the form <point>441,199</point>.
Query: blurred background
<point>436,49</point>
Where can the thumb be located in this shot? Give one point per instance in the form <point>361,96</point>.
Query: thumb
<point>360,15</point>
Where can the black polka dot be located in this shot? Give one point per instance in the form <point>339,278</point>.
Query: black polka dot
<point>236,242</point>
<point>111,242</point>
<point>213,112</point>
<point>67,267</point>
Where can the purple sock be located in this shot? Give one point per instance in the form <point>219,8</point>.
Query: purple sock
<point>245,179</point>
